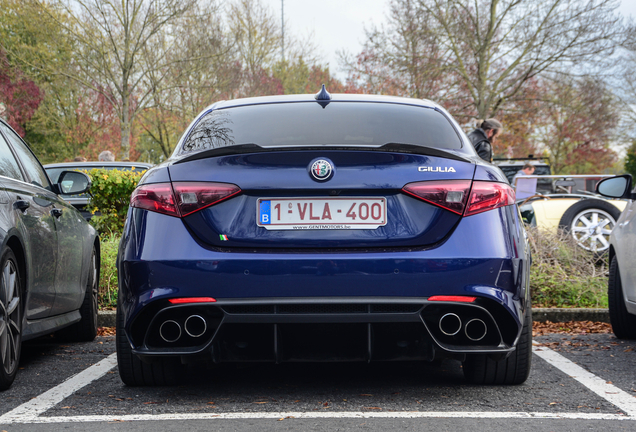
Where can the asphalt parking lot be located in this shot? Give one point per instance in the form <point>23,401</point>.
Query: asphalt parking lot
<point>577,383</point>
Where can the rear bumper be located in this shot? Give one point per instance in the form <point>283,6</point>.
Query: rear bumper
<point>377,295</point>
<point>323,329</point>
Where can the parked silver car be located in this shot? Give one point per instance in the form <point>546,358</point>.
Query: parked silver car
<point>622,278</point>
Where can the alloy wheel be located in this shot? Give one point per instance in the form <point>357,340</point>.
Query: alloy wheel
<point>592,228</point>
<point>94,289</point>
<point>10,336</point>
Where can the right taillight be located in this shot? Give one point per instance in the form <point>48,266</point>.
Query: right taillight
<point>463,197</point>
<point>486,196</point>
<point>181,199</point>
<point>447,194</point>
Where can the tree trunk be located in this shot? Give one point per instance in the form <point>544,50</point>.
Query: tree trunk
<point>125,129</point>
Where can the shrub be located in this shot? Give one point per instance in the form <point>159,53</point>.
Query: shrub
<point>563,274</point>
<point>111,192</point>
<point>108,272</point>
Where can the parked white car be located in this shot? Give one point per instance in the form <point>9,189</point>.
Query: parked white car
<point>622,278</point>
<point>571,206</point>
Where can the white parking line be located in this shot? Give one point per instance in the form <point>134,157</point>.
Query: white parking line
<point>29,411</point>
<point>609,392</point>
<point>331,415</point>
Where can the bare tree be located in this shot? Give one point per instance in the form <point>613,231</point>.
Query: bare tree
<point>403,57</point>
<point>580,118</point>
<point>207,72</point>
<point>111,56</point>
<point>491,48</point>
<point>257,33</point>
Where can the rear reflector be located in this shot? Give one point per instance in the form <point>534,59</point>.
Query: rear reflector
<point>181,199</point>
<point>192,300</point>
<point>460,299</point>
<point>463,197</point>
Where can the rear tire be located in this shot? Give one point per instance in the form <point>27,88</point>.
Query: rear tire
<point>514,370</point>
<point>623,323</point>
<point>10,318</point>
<point>134,372</point>
<point>85,329</point>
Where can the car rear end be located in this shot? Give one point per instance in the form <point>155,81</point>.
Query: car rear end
<point>283,229</point>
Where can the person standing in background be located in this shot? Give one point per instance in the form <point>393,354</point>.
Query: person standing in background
<point>528,169</point>
<point>106,156</point>
<point>484,136</point>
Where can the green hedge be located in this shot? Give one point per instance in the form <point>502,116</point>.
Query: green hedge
<point>108,272</point>
<point>111,192</point>
<point>109,202</point>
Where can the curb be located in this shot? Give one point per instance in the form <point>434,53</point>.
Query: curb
<point>107,318</point>
<point>570,314</point>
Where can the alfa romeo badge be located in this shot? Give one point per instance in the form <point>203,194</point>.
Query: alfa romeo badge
<point>321,169</point>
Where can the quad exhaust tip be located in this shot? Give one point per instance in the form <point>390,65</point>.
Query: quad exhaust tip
<point>475,329</point>
<point>170,331</point>
<point>450,324</point>
<point>195,326</point>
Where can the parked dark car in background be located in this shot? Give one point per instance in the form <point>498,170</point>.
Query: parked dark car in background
<point>319,228</point>
<point>49,256</point>
<point>79,201</point>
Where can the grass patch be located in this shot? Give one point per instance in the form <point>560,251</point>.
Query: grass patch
<point>108,272</point>
<point>564,274</point>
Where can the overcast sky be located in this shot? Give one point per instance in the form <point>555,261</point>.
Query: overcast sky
<point>339,24</point>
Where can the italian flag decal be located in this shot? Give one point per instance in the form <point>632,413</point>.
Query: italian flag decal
<point>223,237</point>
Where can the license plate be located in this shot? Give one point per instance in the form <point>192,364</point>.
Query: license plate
<point>321,213</point>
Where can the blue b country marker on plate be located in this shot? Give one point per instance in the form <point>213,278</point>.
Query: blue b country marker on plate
<point>265,209</point>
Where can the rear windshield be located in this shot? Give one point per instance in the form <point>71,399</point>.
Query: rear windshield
<point>308,123</point>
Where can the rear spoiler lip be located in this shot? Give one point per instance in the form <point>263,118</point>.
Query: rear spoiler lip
<point>390,147</point>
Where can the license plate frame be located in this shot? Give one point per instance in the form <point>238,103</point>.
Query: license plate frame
<point>321,213</point>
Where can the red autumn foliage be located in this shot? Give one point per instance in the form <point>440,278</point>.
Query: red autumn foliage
<point>260,82</point>
<point>319,75</point>
<point>20,96</point>
<point>96,127</point>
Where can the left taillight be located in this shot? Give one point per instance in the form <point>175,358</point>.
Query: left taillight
<point>463,197</point>
<point>156,197</point>
<point>181,199</point>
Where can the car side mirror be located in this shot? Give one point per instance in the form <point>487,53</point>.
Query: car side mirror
<point>73,183</point>
<point>616,187</point>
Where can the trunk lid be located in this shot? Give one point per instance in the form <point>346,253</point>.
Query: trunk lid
<point>362,181</point>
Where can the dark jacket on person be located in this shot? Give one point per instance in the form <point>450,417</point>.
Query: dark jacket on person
<point>482,144</point>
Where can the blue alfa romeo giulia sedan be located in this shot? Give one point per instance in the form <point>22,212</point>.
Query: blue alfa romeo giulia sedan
<point>323,228</point>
